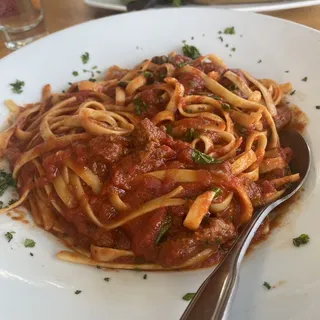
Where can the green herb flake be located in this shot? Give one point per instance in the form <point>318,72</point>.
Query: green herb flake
<point>317,107</point>
<point>92,79</point>
<point>182,64</point>
<point>123,84</point>
<point>98,71</point>
<point>267,285</point>
<point>164,228</point>
<point>6,181</point>
<point>225,106</point>
<point>145,277</point>
<point>147,74</point>
<point>85,58</point>
<point>17,86</point>
<point>168,128</point>
<point>106,279</point>
<point>229,30</point>
<point>140,106</point>
<point>227,45</point>
<point>31,254</point>
<point>217,190</point>
<point>29,243</point>
<point>259,61</point>
<point>302,239</point>
<point>202,158</point>
<point>75,73</point>
<point>233,49</point>
<point>292,93</point>
<point>191,51</point>
<point>77,292</point>
<point>220,32</point>
<point>287,71</point>
<point>70,83</point>
<point>98,267</point>
<point>9,235</point>
<point>12,201</point>
<point>190,135</point>
<point>305,79</point>
<point>188,296</point>
<point>1,204</point>
<point>94,67</point>
<point>220,38</point>
<point>176,3</point>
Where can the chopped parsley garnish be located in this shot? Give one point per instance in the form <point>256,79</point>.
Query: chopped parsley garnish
<point>98,71</point>
<point>188,296</point>
<point>85,58</point>
<point>12,201</point>
<point>318,107</point>
<point>241,129</point>
<point>75,73</point>
<point>220,32</point>
<point>292,93</point>
<point>176,3</point>
<point>145,276</point>
<point>147,74</point>
<point>1,204</point>
<point>98,267</point>
<point>31,254</point>
<point>267,285</point>
<point>190,135</point>
<point>123,84</point>
<point>9,235</point>
<point>92,79</point>
<point>302,239</point>
<point>77,291</point>
<point>94,67</point>
<point>106,279</point>
<point>217,190</point>
<point>168,128</point>
<point>70,83</point>
<point>140,106</point>
<point>220,38</point>
<point>259,61</point>
<point>233,49</point>
<point>90,71</point>
<point>229,30</point>
<point>287,71</point>
<point>202,158</point>
<point>159,59</point>
<point>165,226</point>
<point>6,181</point>
<point>29,243</point>
<point>225,106</point>
<point>226,45</point>
<point>16,87</point>
<point>304,79</point>
<point>182,64</point>
<point>191,51</point>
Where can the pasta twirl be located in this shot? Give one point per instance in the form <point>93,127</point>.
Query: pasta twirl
<point>153,168</point>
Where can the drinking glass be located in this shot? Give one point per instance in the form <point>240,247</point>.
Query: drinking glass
<point>21,21</point>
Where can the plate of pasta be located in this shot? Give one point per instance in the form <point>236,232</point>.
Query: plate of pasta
<point>133,159</point>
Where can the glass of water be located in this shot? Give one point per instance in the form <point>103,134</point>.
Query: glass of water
<point>21,22</point>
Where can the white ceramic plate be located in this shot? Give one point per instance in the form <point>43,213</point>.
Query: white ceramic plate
<point>118,5</point>
<point>42,287</point>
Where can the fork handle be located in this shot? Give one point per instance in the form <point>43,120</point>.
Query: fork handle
<point>214,297</point>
